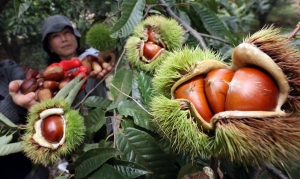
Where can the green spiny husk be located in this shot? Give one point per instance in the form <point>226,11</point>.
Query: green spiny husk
<point>248,141</point>
<point>178,127</point>
<point>99,37</point>
<point>178,64</point>
<point>255,140</point>
<point>167,29</point>
<point>132,54</point>
<point>75,131</point>
<point>272,42</point>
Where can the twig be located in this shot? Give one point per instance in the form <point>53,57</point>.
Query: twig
<point>147,9</point>
<point>293,34</point>
<point>257,173</point>
<point>215,38</point>
<point>76,106</point>
<point>132,99</point>
<point>275,172</point>
<point>185,26</point>
<point>214,164</point>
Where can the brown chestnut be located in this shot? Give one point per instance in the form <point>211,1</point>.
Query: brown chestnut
<point>52,85</point>
<point>150,50</point>
<point>54,73</point>
<point>31,74</point>
<point>28,85</point>
<point>44,94</point>
<point>52,128</point>
<point>63,82</point>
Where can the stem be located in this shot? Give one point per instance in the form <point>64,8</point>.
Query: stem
<point>214,164</point>
<point>132,99</point>
<point>293,34</point>
<point>185,26</point>
<point>275,172</point>
<point>257,173</point>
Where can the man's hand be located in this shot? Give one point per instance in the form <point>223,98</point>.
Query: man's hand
<point>25,101</point>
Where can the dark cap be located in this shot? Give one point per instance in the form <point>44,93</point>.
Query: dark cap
<point>53,24</point>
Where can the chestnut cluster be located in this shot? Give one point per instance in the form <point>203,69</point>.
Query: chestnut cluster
<point>151,48</point>
<point>48,82</point>
<point>247,89</point>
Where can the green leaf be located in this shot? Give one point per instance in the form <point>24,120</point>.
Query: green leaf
<point>6,121</point>
<point>127,123</point>
<point>211,21</point>
<point>61,177</point>
<point>21,7</point>
<point>144,85</point>
<point>130,169</point>
<point>97,101</point>
<point>187,169</point>
<point>123,82</point>
<point>66,90</point>
<point>132,13</point>
<point>11,148</point>
<point>95,120</point>
<point>140,116</point>
<point>73,93</point>
<point>5,139</point>
<point>139,147</point>
<point>106,171</point>
<point>91,160</point>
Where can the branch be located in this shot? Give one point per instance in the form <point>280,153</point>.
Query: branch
<point>132,99</point>
<point>293,34</point>
<point>275,172</point>
<point>185,26</point>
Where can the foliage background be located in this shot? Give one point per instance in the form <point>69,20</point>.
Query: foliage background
<point>135,150</point>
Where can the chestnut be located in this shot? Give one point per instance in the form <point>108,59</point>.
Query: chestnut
<point>86,63</point>
<point>252,89</point>
<point>54,73</point>
<point>63,82</point>
<point>28,85</point>
<point>193,90</point>
<point>216,86</point>
<point>52,128</point>
<point>44,94</point>
<point>31,74</point>
<point>150,50</point>
<point>52,85</point>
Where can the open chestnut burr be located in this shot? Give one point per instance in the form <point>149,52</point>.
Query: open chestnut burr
<point>246,111</point>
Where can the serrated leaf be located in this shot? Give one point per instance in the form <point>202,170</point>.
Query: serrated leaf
<point>66,90</point>
<point>106,171</point>
<point>97,101</point>
<point>21,7</point>
<point>144,86</point>
<point>91,160</point>
<point>5,139</point>
<point>95,120</point>
<point>140,116</point>
<point>132,13</point>
<point>11,148</point>
<point>127,123</point>
<point>139,147</point>
<point>130,169</point>
<point>135,93</point>
<point>211,21</point>
<point>4,120</point>
<point>123,82</point>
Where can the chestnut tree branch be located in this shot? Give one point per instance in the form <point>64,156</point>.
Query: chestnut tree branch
<point>188,28</point>
<point>275,172</point>
<point>132,99</point>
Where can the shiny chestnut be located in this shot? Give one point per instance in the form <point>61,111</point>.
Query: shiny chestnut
<point>52,128</point>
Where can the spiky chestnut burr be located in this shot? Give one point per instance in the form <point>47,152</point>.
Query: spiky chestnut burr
<point>151,42</point>
<point>247,137</point>
<point>98,36</point>
<point>54,130</point>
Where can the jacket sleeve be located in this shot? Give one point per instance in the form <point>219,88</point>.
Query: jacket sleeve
<point>9,71</point>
